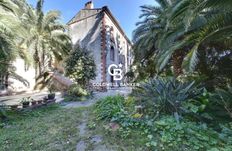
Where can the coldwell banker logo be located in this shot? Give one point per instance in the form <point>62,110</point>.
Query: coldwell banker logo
<point>115,71</point>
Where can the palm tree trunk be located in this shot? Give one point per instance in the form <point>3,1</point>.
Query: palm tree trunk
<point>177,60</point>
<point>205,70</point>
<point>40,68</point>
<point>43,58</point>
<point>6,80</point>
<point>37,61</point>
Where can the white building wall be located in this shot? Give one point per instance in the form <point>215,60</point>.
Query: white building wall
<point>28,75</point>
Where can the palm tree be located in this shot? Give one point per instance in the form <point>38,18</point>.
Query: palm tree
<point>148,31</point>
<point>9,26</point>
<point>206,23</point>
<point>47,39</point>
<point>11,32</point>
<point>189,28</point>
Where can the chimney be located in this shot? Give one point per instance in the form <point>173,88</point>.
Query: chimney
<point>89,5</point>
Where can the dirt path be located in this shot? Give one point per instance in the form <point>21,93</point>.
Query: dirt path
<point>90,142</point>
<point>81,146</point>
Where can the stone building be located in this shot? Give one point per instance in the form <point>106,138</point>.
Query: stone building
<point>97,30</point>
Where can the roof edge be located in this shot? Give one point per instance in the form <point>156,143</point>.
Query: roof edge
<point>107,10</point>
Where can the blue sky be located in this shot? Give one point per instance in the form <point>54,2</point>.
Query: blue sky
<point>125,11</point>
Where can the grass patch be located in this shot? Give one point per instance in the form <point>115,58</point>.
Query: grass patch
<point>115,140</point>
<point>54,128</point>
<point>51,128</point>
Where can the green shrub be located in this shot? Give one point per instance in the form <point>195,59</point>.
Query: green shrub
<point>76,93</point>
<point>2,111</point>
<point>168,134</point>
<point>221,104</point>
<point>110,107</point>
<point>165,132</point>
<point>80,66</point>
<point>226,133</point>
<point>165,95</point>
<point>117,109</point>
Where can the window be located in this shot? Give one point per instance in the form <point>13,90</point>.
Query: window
<point>122,59</point>
<point>112,54</point>
<point>112,34</point>
<point>118,41</point>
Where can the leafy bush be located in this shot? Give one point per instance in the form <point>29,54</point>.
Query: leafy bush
<point>197,108</point>
<point>226,133</point>
<point>221,103</point>
<point>2,111</point>
<point>168,134</point>
<point>165,133</point>
<point>76,93</point>
<point>166,95</point>
<point>118,109</point>
<point>80,66</point>
<point>110,107</point>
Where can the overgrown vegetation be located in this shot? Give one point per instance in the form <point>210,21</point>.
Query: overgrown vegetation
<point>182,61</point>
<point>166,95</point>
<point>222,101</point>
<point>109,107</point>
<point>178,37</point>
<point>77,93</point>
<point>163,132</point>
<point>189,41</point>
<point>80,66</point>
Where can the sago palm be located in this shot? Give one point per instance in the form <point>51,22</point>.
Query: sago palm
<point>189,28</point>
<point>206,24</point>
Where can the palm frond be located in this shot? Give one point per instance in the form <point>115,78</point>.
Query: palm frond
<point>191,60</point>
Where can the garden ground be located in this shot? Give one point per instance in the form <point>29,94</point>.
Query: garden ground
<point>71,126</point>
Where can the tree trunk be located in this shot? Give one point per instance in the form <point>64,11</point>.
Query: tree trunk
<point>204,70</point>
<point>177,60</point>
<point>37,61</point>
<point>6,80</point>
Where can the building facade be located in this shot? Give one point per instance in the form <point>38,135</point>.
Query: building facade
<point>97,30</point>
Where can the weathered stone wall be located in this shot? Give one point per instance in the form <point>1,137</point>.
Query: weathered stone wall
<point>96,30</point>
<point>87,33</point>
<point>121,45</point>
